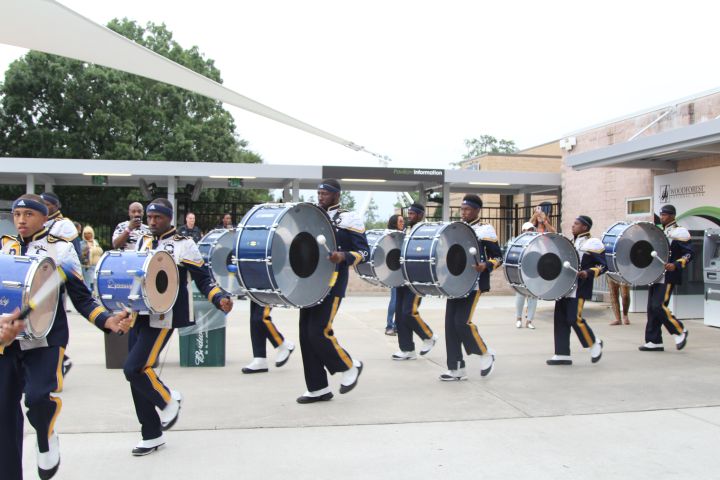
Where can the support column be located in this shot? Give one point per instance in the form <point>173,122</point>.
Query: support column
<point>296,190</point>
<point>29,183</point>
<point>48,187</point>
<point>446,202</point>
<point>172,187</point>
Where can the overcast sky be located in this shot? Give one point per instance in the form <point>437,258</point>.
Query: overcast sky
<point>413,79</point>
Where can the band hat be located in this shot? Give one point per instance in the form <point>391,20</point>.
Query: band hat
<point>51,197</point>
<point>584,219</point>
<point>331,185</point>
<point>668,209</point>
<point>161,209</point>
<point>31,204</point>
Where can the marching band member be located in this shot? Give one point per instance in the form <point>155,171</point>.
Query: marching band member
<point>658,310</point>
<point>34,367</point>
<point>263,329</point>
<point>157,407</point>
<point>320,349</point>
<point>459,328</point>
<point>407,316</point>
<point>569,310</point>
<point>127,233</point>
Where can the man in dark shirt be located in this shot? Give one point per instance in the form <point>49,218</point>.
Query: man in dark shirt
<point>190,229</point>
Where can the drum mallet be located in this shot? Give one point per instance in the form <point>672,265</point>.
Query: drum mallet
<point>654,254</point>
<point>567,265</point>
<point>473,251</point>
<point>321,240</point>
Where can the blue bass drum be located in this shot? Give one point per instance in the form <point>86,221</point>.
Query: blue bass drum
<point>21,280</point>
<point>217,248</point>
<point>437,260</point>
<point>628,251</point>
<point>145,282</point>
<point>383,265</point>
<point>534,265</point>
<point>279,260</point>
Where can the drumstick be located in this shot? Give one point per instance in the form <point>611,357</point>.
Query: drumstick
<point>42,294</point>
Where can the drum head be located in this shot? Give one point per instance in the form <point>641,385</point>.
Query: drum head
<point>541,266</point>
<point>633,250</point>
<point>161,282</point>
<point>300,265</point>
<point>219,252</point>
<point>386,258</point>
<point>455,270</point>
<point>43,282</point>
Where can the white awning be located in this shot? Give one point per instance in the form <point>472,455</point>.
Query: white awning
<point>50,27</point>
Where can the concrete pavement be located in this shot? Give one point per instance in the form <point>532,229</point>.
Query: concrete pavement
<point>645,415</point>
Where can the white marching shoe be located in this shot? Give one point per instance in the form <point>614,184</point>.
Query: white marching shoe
<point>487,363</point>
<point>146,447</point>
<point>350,377</point>
<point>454,375</point>
<point>171,412</point>
<point>681,340</point>
<point>400,355</point>
<point>49,462</point>
<point>284,350</point>
<point>428,345</point>
<point>258,365</point>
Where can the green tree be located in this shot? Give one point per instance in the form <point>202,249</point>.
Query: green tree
<point>56,107</point>
<point>487,144</point>
<point>347,200</point>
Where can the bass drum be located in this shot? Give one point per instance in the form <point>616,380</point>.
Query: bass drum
<point>145,282</point>
<point>23,279</point>
<point>436,259</point>
<point>279,260</point>
<point>217,248</point>
<point>383,265</point>
<point>628,251</point>
<point>534,265</point>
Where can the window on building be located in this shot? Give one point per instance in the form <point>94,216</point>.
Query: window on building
<point>639,206</point>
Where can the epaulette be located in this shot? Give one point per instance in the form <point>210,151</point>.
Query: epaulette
<point>350,220</point>
<point>9,238</point>
<point>53,239</point>
<point>486,231</point>
<point>679,233</point>
<point>177,236</point>
<point>593,245</point>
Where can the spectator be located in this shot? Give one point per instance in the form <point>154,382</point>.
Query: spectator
<point>226,221</point>
<point>520,298</point>
<point>190,229</point>
<point>619,290</point>
<point>90,256</point>
<point>128,232</point>
<point>541,222</point>
<point>396,222</point>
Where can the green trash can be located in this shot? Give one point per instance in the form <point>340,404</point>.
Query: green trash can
<point>203,344</point>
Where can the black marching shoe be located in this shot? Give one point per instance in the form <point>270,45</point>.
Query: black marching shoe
<point>559,360</point>
<point>48,462</point>
<point>146,447</point>
<point>350,377</point>
<point>652,347</point>
<point>326,397</point>
<point>681,344</point>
